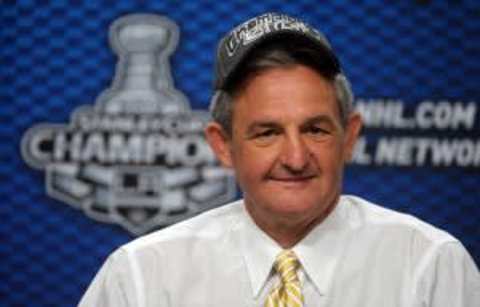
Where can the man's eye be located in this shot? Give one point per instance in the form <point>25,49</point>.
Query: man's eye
<point>265,134</point>
<point>265,137</point>
<point>317,130</point>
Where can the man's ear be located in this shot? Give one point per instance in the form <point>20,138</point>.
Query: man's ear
<point>353,128</point>
<point>219,142</point>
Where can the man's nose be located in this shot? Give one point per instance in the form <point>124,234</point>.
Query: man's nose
<point>295,153</point>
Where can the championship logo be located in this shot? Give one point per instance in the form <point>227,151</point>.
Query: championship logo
<point>138,157</point>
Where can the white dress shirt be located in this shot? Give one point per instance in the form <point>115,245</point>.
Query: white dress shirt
<point>360,255</point>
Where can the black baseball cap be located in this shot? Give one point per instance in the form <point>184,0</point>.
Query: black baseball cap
<point>243,39</point>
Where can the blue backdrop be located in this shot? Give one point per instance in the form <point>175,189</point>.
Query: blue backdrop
<point>422,55</point>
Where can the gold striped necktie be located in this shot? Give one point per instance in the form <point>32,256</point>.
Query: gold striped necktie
<point>288,293</point>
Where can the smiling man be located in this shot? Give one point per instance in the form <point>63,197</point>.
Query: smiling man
<point>287,145</point>
<point>283,121</point>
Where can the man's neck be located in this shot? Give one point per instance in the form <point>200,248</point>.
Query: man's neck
<point>287,231</point>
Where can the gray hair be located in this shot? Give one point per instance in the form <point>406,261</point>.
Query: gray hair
<point>221,106</point>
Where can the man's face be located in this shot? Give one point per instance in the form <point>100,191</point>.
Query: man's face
<point>287,147</point>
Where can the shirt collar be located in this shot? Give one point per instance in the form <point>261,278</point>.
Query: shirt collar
<point>318,252</point>
<point>321,249</point>
<point>259,252</point>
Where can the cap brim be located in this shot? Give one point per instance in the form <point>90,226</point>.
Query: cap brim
<point>288,38</point>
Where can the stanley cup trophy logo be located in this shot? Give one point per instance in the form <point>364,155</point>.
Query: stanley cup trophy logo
<point>143,84</point>
<point>137,158</point>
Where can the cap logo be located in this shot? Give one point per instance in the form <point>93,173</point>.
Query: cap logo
<point>253,29</point>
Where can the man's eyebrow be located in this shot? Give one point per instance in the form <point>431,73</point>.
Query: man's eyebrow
<point>318,120</point>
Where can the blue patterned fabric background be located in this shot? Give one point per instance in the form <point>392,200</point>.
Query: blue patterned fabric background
<point>55,57</point>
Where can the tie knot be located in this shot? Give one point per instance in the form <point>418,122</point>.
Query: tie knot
<point>286,265</point>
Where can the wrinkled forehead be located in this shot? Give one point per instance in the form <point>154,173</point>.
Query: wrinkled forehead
<point>288,93</point>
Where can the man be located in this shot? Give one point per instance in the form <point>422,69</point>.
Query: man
<point>283,121</point>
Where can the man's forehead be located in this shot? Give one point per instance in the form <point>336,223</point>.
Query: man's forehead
<point>265,120</point>
<point>253,117</point>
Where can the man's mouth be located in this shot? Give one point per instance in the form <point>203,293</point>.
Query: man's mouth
<point>292,179</point>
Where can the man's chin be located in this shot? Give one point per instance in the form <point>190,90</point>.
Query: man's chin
<point>293,208</point>
<point>291,183</point>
